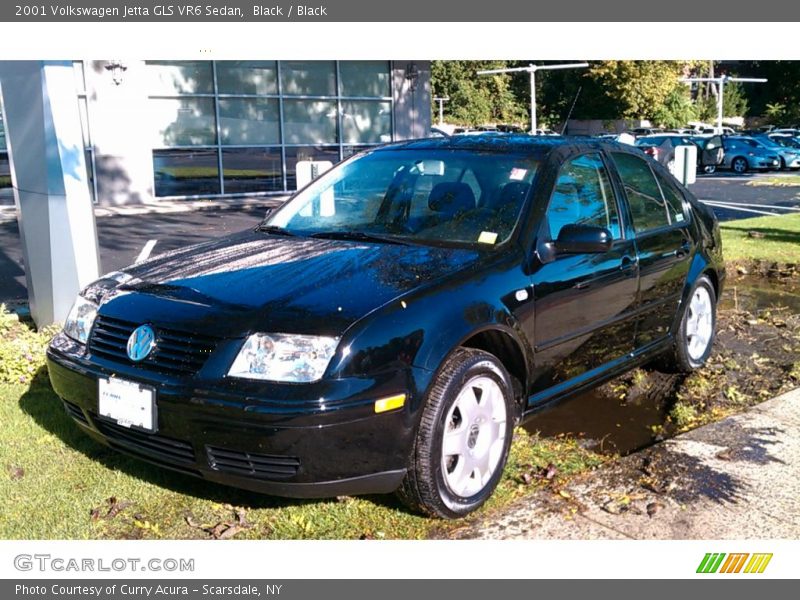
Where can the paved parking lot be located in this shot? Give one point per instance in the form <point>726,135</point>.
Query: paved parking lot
<point>122,237</point>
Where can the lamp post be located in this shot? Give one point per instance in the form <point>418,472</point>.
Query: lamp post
<point>721,81</point>
<point>532,70</point>
<point>441,100</point>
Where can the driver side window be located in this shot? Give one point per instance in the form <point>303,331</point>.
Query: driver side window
<point>583,196</point>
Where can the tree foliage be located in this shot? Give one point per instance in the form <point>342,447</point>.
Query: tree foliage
<point>476,99</point>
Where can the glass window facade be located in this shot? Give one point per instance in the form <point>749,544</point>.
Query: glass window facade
<point>235,127</point>
<point>5,171</point>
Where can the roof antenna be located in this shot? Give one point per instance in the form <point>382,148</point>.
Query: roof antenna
<point>571,108</point>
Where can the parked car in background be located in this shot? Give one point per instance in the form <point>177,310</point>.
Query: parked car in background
<point>743,154</point>
<point>388,327</point>
<point>639,131</point>
<point>789,157</point>
<point>661,147</point>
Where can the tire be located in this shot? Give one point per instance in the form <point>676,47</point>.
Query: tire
<point>783,165</point>
<point>466,423</point>
<point>739,165</point>
<point>695,336</point>
<point>709,169</point>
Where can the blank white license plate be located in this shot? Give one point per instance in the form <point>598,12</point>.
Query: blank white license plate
<point>129,403</point>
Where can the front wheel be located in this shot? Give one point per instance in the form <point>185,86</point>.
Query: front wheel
<point>709,169</point>
<point>695,335</point>
<point>739,165</point>
<point>463,439</point>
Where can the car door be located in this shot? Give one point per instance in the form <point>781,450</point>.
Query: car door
<point>583,302</point>
<point>663,242</point>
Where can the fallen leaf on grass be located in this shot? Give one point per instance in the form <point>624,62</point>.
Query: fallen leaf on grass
<point>223,530</point>
<point>114,508</point>
<point>16,473</point>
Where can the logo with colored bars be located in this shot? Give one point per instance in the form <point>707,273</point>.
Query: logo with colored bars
<point>734,563</point>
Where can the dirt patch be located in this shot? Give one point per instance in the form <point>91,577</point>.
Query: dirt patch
<point>756,356</point>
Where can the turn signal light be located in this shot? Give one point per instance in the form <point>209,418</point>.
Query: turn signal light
<point>390,403</point>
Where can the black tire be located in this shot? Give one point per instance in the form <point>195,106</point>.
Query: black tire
<point>739,165</point>
<point>425,488</point>
<point>709,169</point>
<point>680,359</point>
<point>783,165</point>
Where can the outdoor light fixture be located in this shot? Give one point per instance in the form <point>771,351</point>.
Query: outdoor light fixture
<point>721,81</point>
<point>117,69</point>
<point>412,75</point>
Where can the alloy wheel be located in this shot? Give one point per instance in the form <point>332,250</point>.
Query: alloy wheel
<point>699,324</point>
<point>474,437</point>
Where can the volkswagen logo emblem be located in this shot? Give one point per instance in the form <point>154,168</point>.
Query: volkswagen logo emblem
<point>141,343</point>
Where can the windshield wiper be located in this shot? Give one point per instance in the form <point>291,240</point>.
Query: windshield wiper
<point>360,236</point>
<point>277,230</point>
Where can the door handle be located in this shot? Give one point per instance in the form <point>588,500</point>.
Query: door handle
<point>628,262</point>
<point>683,250</point>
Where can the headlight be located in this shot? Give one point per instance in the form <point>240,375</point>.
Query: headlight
<point>282,357</point>
<point>80,319</point>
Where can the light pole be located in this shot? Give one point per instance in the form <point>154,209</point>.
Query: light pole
<point>721,81</point>
<point>441,100</point>
<point>532,70</point>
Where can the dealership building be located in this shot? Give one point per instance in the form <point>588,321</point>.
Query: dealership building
<point>208,129</point>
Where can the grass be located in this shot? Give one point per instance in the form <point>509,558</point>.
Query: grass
<point>780,241</point>
<point>782,181</point>
<point>57,483</point>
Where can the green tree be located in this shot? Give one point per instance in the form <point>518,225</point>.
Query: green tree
<point>475,99</point>
<point>644,89</point>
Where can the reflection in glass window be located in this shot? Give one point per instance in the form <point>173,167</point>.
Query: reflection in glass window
<point>674,200</point>
<point>365,78</point>
<point>186,172</point>
<point>247,77</point>
<point>366,121</point>
<point>309,122</point>
<point>169,78</point>
<point>583,196</point>
<point>648,208</point>
<point>303,78</point>
<point>183,121</point>
<point>246,121</point>
<point>252,170</point>
<point>315,153</point>
<point>5,170</point>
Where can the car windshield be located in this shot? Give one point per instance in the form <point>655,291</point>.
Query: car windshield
<point>460,197</point>
<point>787,142</point>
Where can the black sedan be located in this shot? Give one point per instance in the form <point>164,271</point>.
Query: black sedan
<point>388,326</point>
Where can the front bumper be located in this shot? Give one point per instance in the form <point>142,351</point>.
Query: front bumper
<point>307,440</point>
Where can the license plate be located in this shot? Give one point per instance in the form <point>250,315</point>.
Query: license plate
<point>128,403</point>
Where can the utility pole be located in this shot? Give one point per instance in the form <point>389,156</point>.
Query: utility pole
<point>532,70</point>
<point>441,100</point>
<point>721,81</point>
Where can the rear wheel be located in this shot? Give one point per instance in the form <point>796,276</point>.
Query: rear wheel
<point>710,169</point>
<point>695,335</point>
<point>463,439</point>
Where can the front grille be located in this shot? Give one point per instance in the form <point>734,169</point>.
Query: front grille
<point>75,412</point>
<point>260,466</point>
<point>175,353</point>
<point>163,449</point>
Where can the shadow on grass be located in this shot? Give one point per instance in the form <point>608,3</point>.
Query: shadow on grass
<point>42,404</point>
<point>771,234</point>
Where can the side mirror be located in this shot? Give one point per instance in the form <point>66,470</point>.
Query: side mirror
<point>583,239</point>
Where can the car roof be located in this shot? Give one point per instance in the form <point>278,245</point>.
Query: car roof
<point>539,145</point>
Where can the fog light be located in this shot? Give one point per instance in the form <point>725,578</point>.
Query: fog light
<point>390,403</point>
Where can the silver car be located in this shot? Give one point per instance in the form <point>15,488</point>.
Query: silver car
<point>743,154</point>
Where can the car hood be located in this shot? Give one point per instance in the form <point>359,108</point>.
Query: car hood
<point>254,281</point>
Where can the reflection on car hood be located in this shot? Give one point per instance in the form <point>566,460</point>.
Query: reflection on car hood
<point>254,281</point>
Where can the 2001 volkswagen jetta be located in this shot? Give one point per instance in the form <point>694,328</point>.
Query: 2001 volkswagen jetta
<point>388,326</point>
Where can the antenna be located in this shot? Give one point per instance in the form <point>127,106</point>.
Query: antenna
<point>532,70</point>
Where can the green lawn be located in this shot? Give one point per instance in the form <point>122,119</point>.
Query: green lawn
<point>781,241</point>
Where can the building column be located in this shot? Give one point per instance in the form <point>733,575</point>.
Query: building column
<point>412,99</point>
<point>51,189</point>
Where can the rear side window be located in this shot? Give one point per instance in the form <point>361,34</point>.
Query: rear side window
<point>583,196</point>
<point>674,199</point>
<point>648,207</point>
